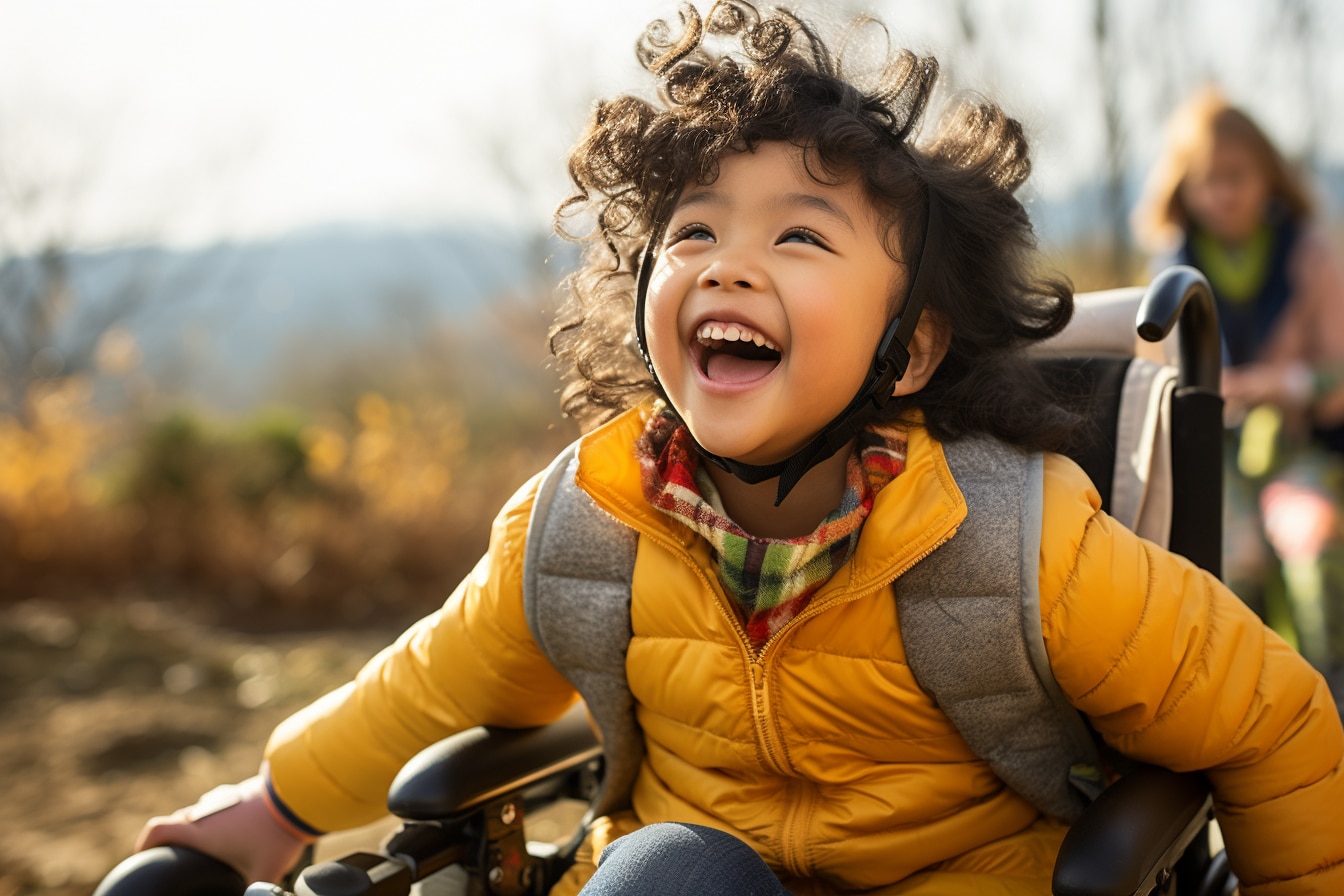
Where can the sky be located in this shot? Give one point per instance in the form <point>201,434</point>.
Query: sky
<point>193,121</point>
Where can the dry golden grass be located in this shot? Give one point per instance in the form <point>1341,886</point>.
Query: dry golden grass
<point>281,520</point>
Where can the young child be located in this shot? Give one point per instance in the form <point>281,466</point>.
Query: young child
<point>771,239</point>
<point>1223,199</point>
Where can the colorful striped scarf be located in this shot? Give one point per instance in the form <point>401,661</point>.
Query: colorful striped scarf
<point>771,580</point>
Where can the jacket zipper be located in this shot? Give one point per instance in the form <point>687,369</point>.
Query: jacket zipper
<point>813,611</point>
<point>792,837</point>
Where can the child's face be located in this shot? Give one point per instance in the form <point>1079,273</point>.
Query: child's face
<point>1227,195</point>
<point>766,303</point>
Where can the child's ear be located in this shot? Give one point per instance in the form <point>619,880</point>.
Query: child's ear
<point>927,348</point>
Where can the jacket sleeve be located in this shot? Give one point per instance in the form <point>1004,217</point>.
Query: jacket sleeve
<point>472,662</point>
<point>1174,670</point>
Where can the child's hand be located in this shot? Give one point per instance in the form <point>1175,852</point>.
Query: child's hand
<point>1283,385</point>
<point>234,824</point>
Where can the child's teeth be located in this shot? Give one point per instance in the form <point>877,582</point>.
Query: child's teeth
<point>733,333</point>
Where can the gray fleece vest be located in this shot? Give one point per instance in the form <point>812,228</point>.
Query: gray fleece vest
<point>969,615</point>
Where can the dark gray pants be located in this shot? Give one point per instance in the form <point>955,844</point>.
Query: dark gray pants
<point>672,859</point>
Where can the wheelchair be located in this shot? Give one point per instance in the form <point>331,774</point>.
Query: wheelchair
<point>1156,458</point>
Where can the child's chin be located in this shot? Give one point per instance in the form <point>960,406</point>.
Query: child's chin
<point>743,454</point>
<point>737,445</point>
<point>725,448</point>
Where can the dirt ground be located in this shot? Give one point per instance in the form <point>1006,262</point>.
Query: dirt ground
<point>114,711</point>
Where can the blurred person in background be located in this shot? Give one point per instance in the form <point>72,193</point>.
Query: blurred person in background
<point>1222,199</point>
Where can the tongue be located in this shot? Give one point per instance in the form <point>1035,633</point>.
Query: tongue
<point>722,367</point>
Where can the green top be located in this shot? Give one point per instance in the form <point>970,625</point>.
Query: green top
<point>1237,273</point>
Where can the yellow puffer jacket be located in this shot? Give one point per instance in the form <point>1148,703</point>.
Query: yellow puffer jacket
<point>820,749</point>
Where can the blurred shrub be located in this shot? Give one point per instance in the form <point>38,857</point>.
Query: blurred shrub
<point>43,462</point>
<point>47,485</point>
<point>339,517</point>
<point>178,457</point>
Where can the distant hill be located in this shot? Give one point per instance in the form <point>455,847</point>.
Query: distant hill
<point>213,323</point>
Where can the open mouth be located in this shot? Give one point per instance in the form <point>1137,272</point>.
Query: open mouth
<point>733,353</point>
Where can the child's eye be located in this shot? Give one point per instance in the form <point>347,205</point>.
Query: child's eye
<point>803,235</point>
<point>691,232</point>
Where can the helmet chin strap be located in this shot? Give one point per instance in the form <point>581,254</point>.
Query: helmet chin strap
<point>889,365</point>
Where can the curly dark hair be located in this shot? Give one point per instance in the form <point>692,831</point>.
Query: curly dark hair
<point>782,83</point>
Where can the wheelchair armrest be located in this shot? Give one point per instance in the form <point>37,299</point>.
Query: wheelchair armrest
<point>472,767</point>
<point>171,871</point>
<point>1127,841</point>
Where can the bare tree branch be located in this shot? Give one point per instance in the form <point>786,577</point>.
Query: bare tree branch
<point>51,320</point>
<point>1107,41</point>
<point>1298,18</point>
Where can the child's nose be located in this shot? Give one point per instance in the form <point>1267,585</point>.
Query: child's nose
<point>736,272</point>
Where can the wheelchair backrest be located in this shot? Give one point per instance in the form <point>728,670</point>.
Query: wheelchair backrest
<point>1124,386</point>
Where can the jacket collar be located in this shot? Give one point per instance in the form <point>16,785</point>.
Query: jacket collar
<point>913,514</point>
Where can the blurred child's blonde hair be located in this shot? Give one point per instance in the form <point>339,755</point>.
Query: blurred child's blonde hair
<point>1195,128</point>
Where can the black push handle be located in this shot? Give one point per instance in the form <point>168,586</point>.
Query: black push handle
<point>172,871</point>
<point>1181,293</point>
